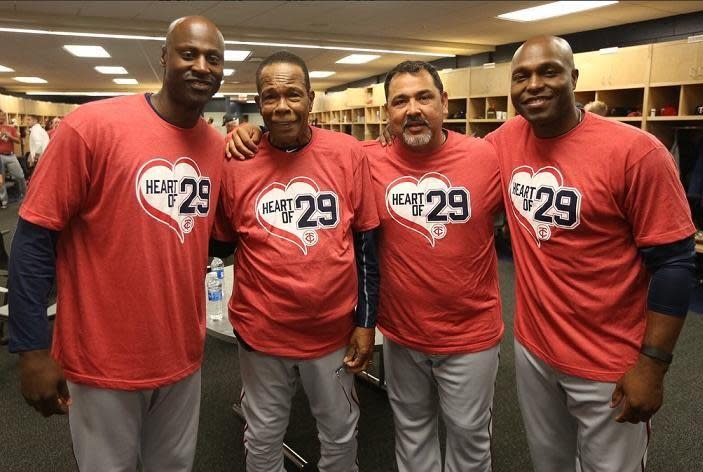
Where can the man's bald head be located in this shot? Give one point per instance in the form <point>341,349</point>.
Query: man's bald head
<point>185,25</point>
<point>193,61</point>
<point>553,45</point>
<point>542,84</point>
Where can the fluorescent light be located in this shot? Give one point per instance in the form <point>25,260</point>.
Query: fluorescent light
<point>218,95</point>
<point>240,93</point>
<point>608,50</point>
<point>357,59</point>
<point>80,34</point>
<point>227,72</point>
<point>232,55</point>
<point>117,70</point>
<point>6,69</point>
<point>320,74</point>
<point>489,65</point>
<point>30,80</point>
<point>82,94</point>
<point>551,10</point>
<point>125,81</point>
<point>86,51</point>
<point>251,101</point>
<point>448,69</point>
<point>696,38</point>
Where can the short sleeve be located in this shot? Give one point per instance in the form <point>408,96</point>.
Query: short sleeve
<point>494,194</point>
<point>365,212</point>
<point>223,227</point>
<point>655,203</point>
<point>61,181</point>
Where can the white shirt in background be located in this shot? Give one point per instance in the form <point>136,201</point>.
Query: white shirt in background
<point>38,140</point>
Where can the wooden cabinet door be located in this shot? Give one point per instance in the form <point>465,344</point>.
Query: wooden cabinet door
<point>677,62</point>
<point>622,69</point>
<point>490,82</point>
<point>456,82</point>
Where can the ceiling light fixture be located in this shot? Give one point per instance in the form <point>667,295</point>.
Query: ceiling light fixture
<point>232,55</point>
<point>82,94</point>
<point>320,74</point>
<point>80,34</point>
<point>86,51</point>
<point>30,80</point>
<point>125,81</point>
<point>227,72</point>
<point>116,70</point>
<point>552,10</point>
<point>358,59</point>
<point>6,69</point>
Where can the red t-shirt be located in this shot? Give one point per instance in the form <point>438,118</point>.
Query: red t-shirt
<point>439,277</point>
<point>292,216</point>
<point>6,145</point>
<point>579,207</point>
<point>133,197</point>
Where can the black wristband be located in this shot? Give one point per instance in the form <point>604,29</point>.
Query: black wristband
<point>657,354</point>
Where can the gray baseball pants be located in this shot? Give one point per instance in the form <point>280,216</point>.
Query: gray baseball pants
<point>570,424</point>
<point>460,387</point>
<point>112,430</point>
<point>13,166</point>
<point>268,386</point>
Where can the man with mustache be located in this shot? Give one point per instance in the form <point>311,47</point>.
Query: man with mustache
<point>601,234</point>
<point>125,220</point>
<point>440,309</point>
<point>299,214</point>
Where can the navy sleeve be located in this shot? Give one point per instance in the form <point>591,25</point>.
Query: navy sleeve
<point>673,276</point>
<point>31,275</point>
<point>221,249</point>
<point>369,278</point>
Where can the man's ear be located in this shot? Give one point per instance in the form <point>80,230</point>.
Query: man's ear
<point>574,77</point>
<point>162,60</point>
<point>445,103</point>
<point>311,94</point>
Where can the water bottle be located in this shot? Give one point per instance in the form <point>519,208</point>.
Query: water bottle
<point>218,267</point>
<point>215,297</point>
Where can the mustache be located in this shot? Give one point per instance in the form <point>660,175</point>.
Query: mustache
<point>411,121</point>
<point>205,78</point>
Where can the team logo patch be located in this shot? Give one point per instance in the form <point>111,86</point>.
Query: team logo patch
<point>541,202</point>
<point>174,194</point>
<point>426,205</point>
<point>296,211</point>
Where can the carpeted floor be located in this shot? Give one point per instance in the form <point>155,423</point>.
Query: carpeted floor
<point>30,443</point>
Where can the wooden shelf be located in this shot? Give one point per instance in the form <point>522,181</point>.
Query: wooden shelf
<point>486,120</point>
<point>455,120</point>
<point>676,118</point>
<point>625,119</point>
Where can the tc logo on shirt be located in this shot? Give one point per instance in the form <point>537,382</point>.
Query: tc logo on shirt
<point>296,211</point>
<point>426,205</point>
<point>541,202</point>
<point>173,194</point>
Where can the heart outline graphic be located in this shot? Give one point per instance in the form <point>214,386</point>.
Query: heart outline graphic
<point>412,225</point>
<point>187,224</point>
<point>282,233</point>
<point>545,229</point>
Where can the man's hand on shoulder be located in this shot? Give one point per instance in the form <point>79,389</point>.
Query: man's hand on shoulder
<point>43,384</point>
<point>640,391</point>
<point>385,138</point>
<point>242,142</point>
<point>360,349</point>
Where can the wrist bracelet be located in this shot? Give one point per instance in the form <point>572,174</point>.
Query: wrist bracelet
<point>657,354</point>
